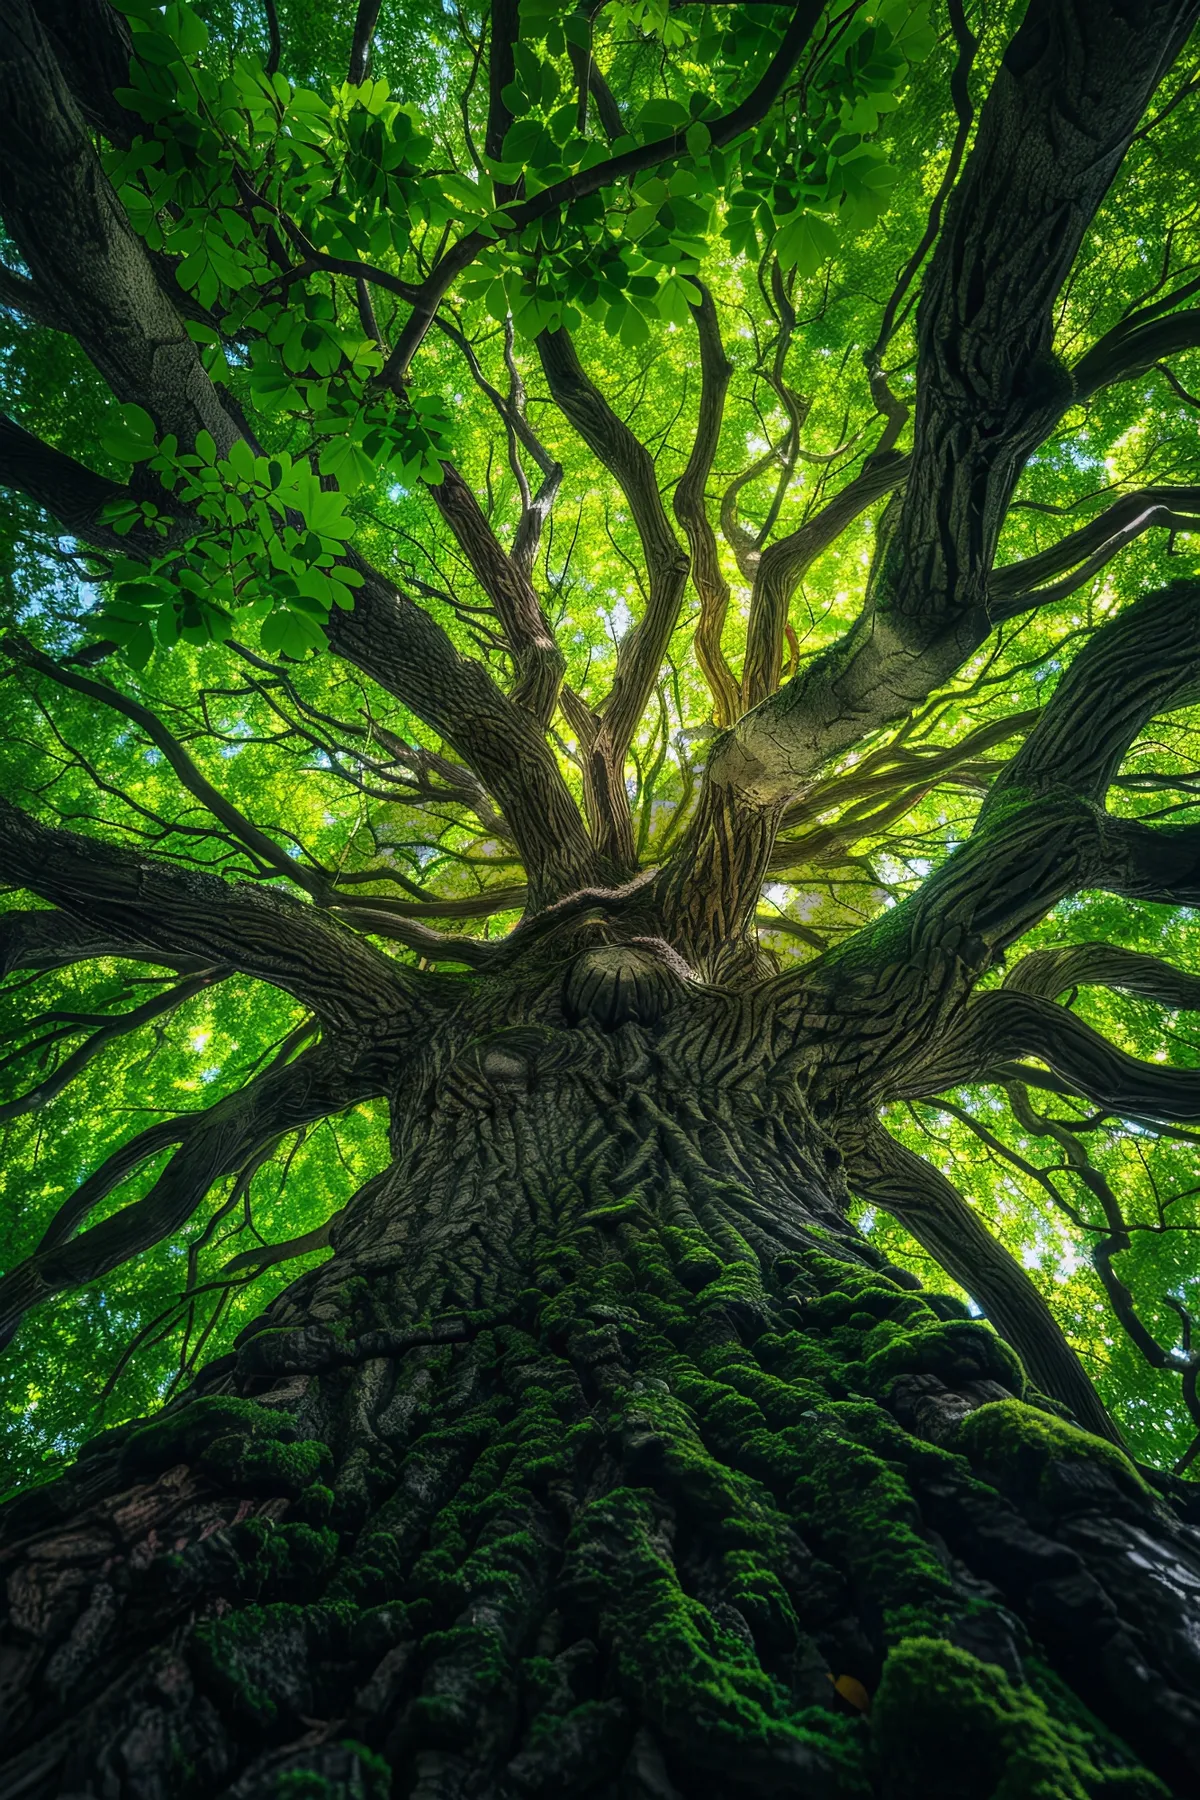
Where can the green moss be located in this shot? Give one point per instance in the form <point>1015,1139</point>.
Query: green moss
<point>314,1505</point>
<point>571,1752</point>
<point>289,1559</point>
<point>256,1660</point>
<point>615,1212</point>
<point>1021,1449</point>
<point>368,1777</point>
<point>955,1350</point>
<point>858,1506</point>
<point>738,1284</point>
<point>265,1465</point>
<point>181,1435</point>
<point>701,1686</point>
<point>946,1725</point>
<point>374,1573</point>
<point>695,1262</point>
<point>754,1587</point>
<point>764,1491</point>
<point>1120,1775</point>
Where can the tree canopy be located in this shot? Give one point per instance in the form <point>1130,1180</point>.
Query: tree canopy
<point>458,463</point>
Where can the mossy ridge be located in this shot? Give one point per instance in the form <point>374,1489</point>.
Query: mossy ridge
<point>665,1491</point>
<point>184,1431</point>
<point>717,1436</point>
<point>1019,1449</point>
<point>945,1725</point>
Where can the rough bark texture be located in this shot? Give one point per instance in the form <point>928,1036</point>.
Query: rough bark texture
<point>603,1458</point>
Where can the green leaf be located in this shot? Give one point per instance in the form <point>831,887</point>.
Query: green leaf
<point>290,634</point>
<point>240,461</point>
<point>132,439</point>
<point>522,139</point>
<point>325,514</point>
<point>660,116</point>
<point>805,243</point>
<point>156,48</point>
<point>641,220</point>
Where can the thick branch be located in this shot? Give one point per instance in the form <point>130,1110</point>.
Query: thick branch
<point>1049,973</point>
<point>626,458</point>
<point>1132,348</point>
<point>61,212</point>
<point>267,1256</point>
<point>274,42</point>
<point>72,231</point>
<point>1152,862</point>
<point>145,903</point>
<point>1084,552</point>
<point>1068,97</point>
<point>54,940</point>
<point>391,639</point>
<point>401,647</point>
<point>691,511</point>
<point>538,661</point>
<point>483,905</point>
<point>1000,1025</point>
<point>73,495</point>
<point>1141,663</point>
<point>784,565</point>
<point>592,83</point>
<point>640,656</point>
<point>887,1174</point>
<point>505,31</point>
<point>434,946</point>
<point>360,48</point>
<point>93,45</point>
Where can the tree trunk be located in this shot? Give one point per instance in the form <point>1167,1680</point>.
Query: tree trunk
<point>603,1458</point>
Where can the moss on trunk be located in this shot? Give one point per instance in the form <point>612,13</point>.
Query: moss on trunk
<point>603,1459</point>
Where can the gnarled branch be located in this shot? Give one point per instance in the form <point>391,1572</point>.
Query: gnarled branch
<point>692,513</point>
<point>537,659</point>
<point>640,655</point>
<point>1019,585</point>
<point>1068,97</point>
<point>1000,1025</point>
<point>74,235</point>
<point>889,1175</point>
<point>130,898</point>
<point>54,940</point>
<point>1049,973</point>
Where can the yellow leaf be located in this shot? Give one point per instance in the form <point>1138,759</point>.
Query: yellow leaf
<point>852,1691</point>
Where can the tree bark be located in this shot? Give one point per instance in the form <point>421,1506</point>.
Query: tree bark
<point>603,1458</point>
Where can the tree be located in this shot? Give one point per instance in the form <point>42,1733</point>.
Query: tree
<point>414,513</point>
